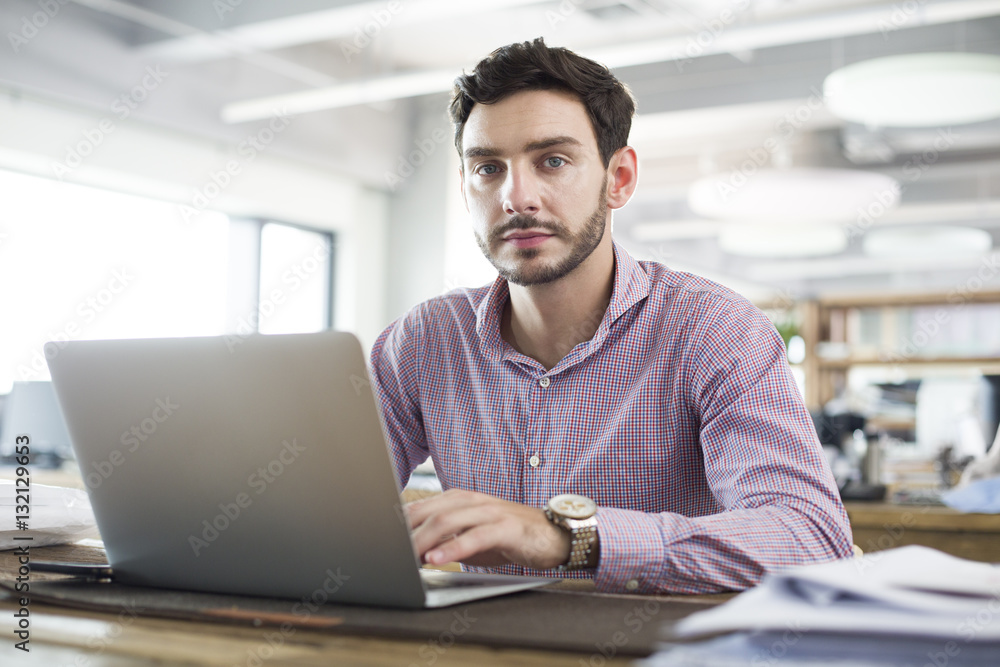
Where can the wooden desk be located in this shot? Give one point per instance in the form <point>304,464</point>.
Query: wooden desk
<point>880,526</point>
<point>63,636</point>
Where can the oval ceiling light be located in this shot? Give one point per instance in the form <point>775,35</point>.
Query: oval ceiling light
<point>926,241</point>
<point>801,195</point>
<point>782,240</point>
<point>917,90</point>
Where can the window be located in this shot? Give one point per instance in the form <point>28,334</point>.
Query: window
<point>81,263</point>
<point>295,280</point>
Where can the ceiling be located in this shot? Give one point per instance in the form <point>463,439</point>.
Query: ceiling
<point>714,81</point>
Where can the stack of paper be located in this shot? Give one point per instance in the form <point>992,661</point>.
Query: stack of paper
<point>50,515</point>
<point>907,606</point>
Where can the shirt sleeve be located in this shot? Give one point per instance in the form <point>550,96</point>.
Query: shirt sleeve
<point>394,364</point>
<point>763,463</point>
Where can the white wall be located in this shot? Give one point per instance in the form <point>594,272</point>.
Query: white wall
<point>417,215</point>
<point>431,245</point>
<point>127,155</point>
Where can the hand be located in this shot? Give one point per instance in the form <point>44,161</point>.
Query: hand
<point>482,530</point>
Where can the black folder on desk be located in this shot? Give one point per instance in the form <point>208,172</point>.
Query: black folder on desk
<point>566,620</point>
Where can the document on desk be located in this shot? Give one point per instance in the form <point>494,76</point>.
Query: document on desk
<point>47,514</point>
<point>910,591</point>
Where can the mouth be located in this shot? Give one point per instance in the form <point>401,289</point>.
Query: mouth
<point>527,238</point>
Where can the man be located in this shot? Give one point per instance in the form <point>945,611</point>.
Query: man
<point>660,397</point>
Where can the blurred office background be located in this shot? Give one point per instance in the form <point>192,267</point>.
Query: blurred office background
<point>200,168</point>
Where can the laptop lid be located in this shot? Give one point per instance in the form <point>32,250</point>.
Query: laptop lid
<point>252,465</point>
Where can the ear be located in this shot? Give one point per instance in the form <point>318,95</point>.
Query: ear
<point>461,186</point>
<point>623,176</point>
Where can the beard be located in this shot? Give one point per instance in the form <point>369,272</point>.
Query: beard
<point>519,270</point>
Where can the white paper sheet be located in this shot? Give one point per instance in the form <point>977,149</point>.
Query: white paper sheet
<point>910,591</point>
<point>57,515</point>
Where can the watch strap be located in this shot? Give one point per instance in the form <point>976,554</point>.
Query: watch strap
<point>584,550</point>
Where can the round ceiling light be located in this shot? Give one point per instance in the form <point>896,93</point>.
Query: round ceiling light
<point>926,241</point>
<point>801,195</point>
<point>782,240</point>
<point>917,90</point>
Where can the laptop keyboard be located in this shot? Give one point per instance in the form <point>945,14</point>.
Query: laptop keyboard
<point>436,579</point>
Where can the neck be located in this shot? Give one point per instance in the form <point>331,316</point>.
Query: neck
<point>546,321</point>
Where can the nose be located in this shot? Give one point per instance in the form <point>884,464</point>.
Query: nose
<point>521,193</point>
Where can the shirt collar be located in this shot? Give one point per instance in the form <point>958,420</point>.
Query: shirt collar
<point>488,315</point>
<point>631,285</point>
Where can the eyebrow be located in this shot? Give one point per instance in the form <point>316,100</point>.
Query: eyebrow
<point>484,151</point>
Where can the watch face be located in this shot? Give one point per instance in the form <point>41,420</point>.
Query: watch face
<point>573,506</point>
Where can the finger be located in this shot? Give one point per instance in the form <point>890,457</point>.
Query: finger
<point>477,545</point>
<point>439,527</point>
<point>420,510</point>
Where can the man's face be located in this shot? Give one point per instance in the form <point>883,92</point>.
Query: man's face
<point>535,185</point>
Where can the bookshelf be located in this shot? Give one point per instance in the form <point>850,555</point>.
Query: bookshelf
<point>918,334</point>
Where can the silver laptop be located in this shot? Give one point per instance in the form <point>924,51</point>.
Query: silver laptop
<point>248,465</point>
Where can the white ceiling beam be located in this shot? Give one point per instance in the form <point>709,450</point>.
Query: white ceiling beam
<point>886,18</point>
<point>227,45</point>
<point>366,91</point>
<point>321,26</point>
<point>735,38</point>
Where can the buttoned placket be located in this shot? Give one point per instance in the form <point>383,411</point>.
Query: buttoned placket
<point>537,415</point>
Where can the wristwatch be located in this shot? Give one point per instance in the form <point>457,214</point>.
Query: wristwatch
<point>576,514</point>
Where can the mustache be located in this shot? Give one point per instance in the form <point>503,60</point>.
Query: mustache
<point>524,222</point>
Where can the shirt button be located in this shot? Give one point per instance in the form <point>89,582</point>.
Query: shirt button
<point>534,461</point>
<point>545,382</point>
<point>631,585</point>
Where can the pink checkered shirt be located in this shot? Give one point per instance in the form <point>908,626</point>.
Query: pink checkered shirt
<point>679,417</point>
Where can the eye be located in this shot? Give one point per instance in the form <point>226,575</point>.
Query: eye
<point>487,169</point>
<point>554,162</point>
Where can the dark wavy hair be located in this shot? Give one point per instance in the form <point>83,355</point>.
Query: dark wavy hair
<point>535,66</point>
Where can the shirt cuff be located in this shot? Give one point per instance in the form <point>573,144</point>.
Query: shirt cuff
<point>633,550</point>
